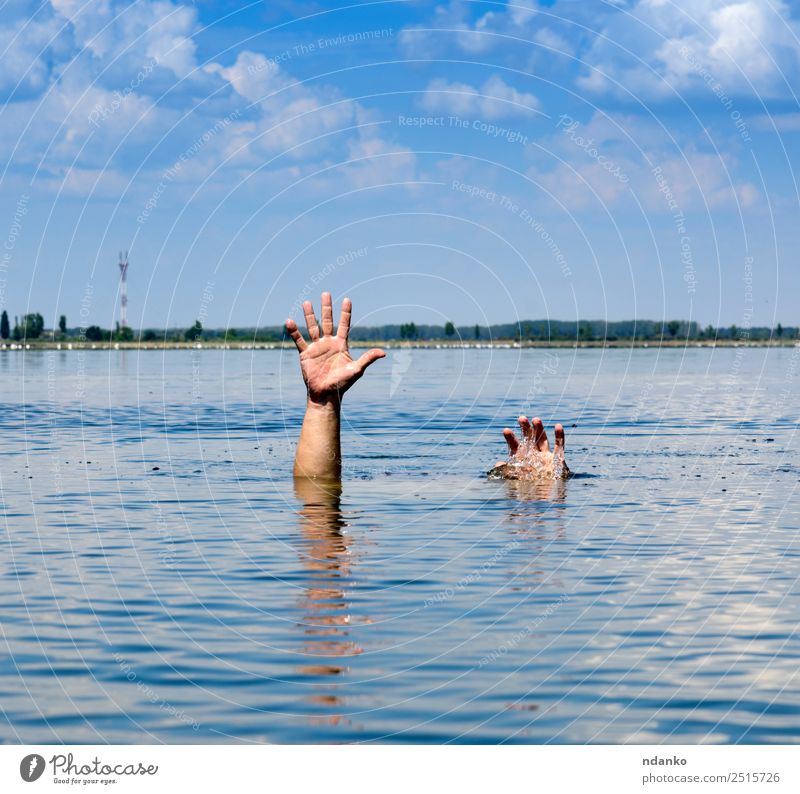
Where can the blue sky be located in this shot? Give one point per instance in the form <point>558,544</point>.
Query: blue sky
<point>479,162</point>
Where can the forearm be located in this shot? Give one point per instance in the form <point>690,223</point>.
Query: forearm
<point>319,453</point>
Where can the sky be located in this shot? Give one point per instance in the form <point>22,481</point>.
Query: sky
<point>479,162</point>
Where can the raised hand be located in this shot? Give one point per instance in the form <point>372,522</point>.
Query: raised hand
<point>329,371</point>
<point>531,458</point>
<point>327,366</point>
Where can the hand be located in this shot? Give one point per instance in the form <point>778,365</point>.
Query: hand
<point>532,459</point>
<point>328,369</point>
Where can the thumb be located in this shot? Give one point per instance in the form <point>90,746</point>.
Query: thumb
<point>368,358</point>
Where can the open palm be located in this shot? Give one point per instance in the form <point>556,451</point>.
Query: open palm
<point>327,366</point>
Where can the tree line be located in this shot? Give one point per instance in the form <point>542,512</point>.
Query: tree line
<point>572,330</point>
<point>32,327</point>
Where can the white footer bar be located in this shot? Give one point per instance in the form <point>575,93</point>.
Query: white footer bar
<point>389,769</point>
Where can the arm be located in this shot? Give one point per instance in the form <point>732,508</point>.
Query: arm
<point>328,371</point>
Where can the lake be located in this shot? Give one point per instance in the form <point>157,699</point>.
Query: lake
<point>164,581</point>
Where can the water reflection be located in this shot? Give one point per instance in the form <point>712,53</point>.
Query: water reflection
<point>326,620</point>
<point>536,490</point>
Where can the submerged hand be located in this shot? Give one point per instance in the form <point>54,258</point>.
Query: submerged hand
<point>327,366</point>
<point>532,459</point>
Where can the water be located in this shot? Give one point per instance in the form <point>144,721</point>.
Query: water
<point>162,580</point>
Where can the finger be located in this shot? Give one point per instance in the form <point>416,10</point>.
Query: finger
<point>560,437</point>
<point>294,332</point>
<point>525,425</point>
<point>540,436</point>
<point>511,440</point>
<point>311,321</point>
<point>327,314</point>
<point>344,318</point>
<point>370,357</point>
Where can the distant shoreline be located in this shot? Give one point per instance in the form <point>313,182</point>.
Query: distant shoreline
<point>34,345</point>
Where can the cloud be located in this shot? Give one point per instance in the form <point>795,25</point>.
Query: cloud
<point>25,46</point>
<point>553,41</point>
<point>94,117</point>
<point>379,162</point>
<point>780,122</point>
<point>654,48</point>
<point>495,99</point>
<point>252,75</point>
<point>452,22</point>
<point>161,30</point>
<point>612,159</point>
<point>286,112</point>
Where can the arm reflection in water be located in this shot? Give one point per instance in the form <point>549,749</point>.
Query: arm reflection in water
<point>326,618</point>
<point>536,490</point>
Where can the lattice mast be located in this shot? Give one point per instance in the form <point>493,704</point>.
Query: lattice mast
<point>123,290</point>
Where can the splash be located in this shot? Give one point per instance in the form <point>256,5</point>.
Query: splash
<point>531,464</point>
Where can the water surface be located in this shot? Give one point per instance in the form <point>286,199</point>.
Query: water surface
<point>164,581</point>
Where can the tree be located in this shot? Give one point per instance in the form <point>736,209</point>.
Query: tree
<point>62,324</point>
<point>449,329</point>
<point>672,327</point>
<point>94,333</point>
<point>17,333</point>
<point>477,331</point>
<point>408,331</point>
<point>32,326</point>
<point>195,332</point>
<point>149,336</point>
<point>711,332</point>
<point>124,334</point>
<point>779,331</point>
<point>5,331</point>
<point>734,332</point>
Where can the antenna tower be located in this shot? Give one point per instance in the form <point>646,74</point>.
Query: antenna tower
<point>123,290</point>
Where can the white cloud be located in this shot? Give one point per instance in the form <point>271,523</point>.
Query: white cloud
<point>378,162</point>
<point>654,47</point>
<point>287,112</point>
<point>252,75</point>
<point>94,122</point>
<point>24,46</point>
<point>553,41</point>
<point>612,159</point>
<point>451,23</point>
<point>493,100</point>
<point>782,122</point>
<point>156,29</point>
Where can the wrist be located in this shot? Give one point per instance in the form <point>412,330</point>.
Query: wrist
<point>324,403</point>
